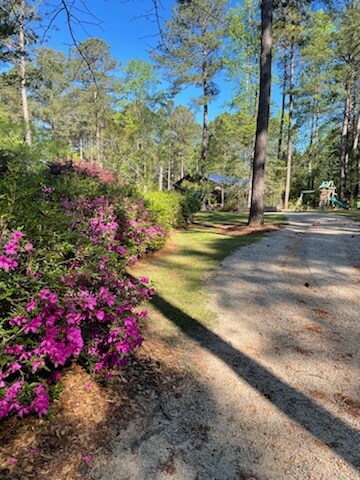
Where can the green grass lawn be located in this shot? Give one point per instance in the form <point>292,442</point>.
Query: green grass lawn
<point>354,214</point>
<point>213,219</point>
<point>179,272</point>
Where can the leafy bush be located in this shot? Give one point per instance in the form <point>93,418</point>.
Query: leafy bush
<point>171,209</point>
<point>63,288</point>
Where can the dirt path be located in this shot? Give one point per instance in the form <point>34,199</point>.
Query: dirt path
<point>273,392</point>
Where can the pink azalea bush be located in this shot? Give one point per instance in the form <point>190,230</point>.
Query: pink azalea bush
<point>81,308</point>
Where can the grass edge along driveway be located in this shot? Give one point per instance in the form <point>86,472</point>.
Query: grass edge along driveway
<point>180,271</point>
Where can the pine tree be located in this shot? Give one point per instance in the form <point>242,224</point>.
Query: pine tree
<point>256,216</point>
<point>190,53</point>
<point>289,35</point>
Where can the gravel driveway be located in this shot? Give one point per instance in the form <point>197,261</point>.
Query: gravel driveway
<point>274,391</point>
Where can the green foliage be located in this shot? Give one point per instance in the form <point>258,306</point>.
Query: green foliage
<point>65,294</point>
<point>231,144</point>
<point>171,209</point>
<point>192,42</point>
<point>242,55</point>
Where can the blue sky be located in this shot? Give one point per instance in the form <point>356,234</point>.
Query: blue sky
<point>129,27</point>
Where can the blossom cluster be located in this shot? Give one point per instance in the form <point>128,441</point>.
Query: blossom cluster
<point>121,225</point>
<point>94,321</point>
<point>89,315</point>
<point>11,246</point>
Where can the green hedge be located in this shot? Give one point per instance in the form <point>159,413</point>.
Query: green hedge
<point>171,209</point>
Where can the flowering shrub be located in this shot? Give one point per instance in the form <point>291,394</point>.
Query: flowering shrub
<point>172,209</point>
<point>83,307</point>
<point>93,321</point>
<point>118,224</point>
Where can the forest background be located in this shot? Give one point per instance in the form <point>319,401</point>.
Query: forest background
<point>151,119</point>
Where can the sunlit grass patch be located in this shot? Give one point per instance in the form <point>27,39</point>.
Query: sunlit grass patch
<point>179,276</point>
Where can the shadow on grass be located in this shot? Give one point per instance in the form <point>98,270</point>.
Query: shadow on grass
<point>215,219</point>
<point>323,425</point>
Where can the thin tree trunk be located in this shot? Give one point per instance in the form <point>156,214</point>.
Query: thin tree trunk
<point>344,144</point>
<point>182,169</point>
<point>356,137</point>
<point>161,178</point>
<point>22,71</point>
<point>204,142</point>
<point>248,203</point>
<point>98,158</point>
<point>355,153</point>
<point>97,139</point>
<point>169,177</point>
<point>222,196</point>
<point>256,216</point>
<point>281,131</point>
<point>81,148</point>
<point>311,150</point>
<point>290,129</point>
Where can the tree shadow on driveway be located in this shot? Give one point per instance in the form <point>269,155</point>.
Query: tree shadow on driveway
<point>323,425</point>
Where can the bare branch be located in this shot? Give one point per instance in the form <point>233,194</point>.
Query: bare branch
<point>70,18</point>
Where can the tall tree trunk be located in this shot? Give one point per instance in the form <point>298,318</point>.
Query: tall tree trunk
<point>248,201</point>
<point>204,142</point>
<point>356,136</point>
<point>182,173</point>
<point>356,156</point>
<point>256,216</point>
<point>290,128</point>
<point>169,177</point>
<point>81,148</point>
<point>98,144</point>
<point>97,133</point>
<point>281,130</point>
<point>22,71</point>
<point>161,178</point>
<point>222,196</point>
<point>344,144</point>
<point>311,150</point>
<point>315,141</point>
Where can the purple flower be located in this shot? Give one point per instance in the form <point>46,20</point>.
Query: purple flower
<point>41,403</point>
<point>75,338</point>
<point>12,392</point>
<point>121,250</point>
<point>73,318</point>
<point>14,350</point>
<point>19,320</point>
<point>53,298</point>
<point>13,367</point>
<point>45,294</point>
<point>29,247</point>
<point>31,305</point>
<point>34,325</point>
<point>100,315</point>
<point>5,263</point>
<point>16,235</point>
<point>11,248</point>
<point>37,364</point>
<point>13,264</point>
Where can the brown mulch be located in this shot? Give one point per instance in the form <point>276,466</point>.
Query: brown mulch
<point>235,230</point>
<point>84,417</point>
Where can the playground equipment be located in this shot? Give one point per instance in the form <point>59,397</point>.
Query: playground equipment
<point>300,199</point>
<point>328,195</point>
